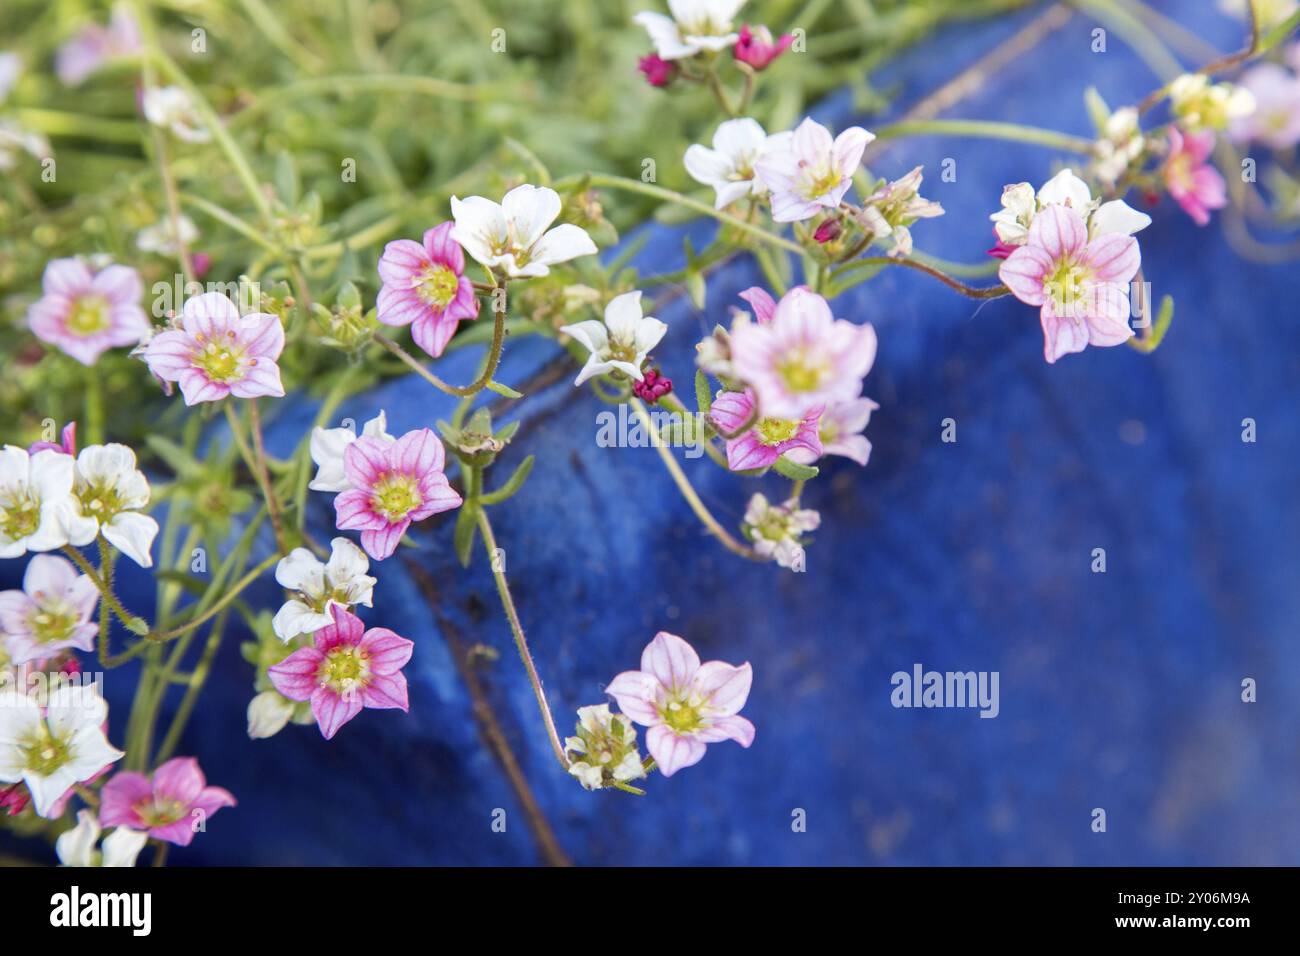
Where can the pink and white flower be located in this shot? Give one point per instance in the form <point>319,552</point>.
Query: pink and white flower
<point>76,847</point>
<point>320,586</point>
<point>620,343</point>
<point>803,358</point>
<point>172,806</point>
<point>840,430</point>
<point>109,495</point>
<point>85,313</point>
<point>687,705</point>
<point>392,486</point>
<point>216,352</point>
<point>811,172</point>
<point>1276,120</point>
<point>425,287</point>
<point>345,670</point>
<point>53,750</point>
<point>729,166</point>
<point>1020,204</point>
<point>512,235</point>
<point>1192,182</point>
<point>35,495</point>
<point>768,438</point>
<point>94,46</point>
<point>756,48</point>
<point>328,446</point>
<point>1080,284</point>
<point>53,611</point>
<point>694,27</point>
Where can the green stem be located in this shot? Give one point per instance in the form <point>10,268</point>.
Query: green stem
<point>986,129</point>
<point>517,630</point>
<point>132,622</point>
<point>494,359</point>
<point>163,636</point>
<point>688,491</point>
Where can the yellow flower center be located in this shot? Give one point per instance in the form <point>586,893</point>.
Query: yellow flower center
<point>89,316</point>
<point>801,373</point>
<point>1066,284</point>
<point>52,623</point>
<point>437,286</point>
<point>20,516</point>
<point>773,431</point>
<point>45,753</point>
<point>682,716</point>
<point>345,670</point>
<point>221,358</point>
<point>395,496</point>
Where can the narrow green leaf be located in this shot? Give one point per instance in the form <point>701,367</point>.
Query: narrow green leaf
<point>466,530</point>
<point>703,394</point>
<point>505,390</point>
<point>512,485</point>
<point>793,471</point>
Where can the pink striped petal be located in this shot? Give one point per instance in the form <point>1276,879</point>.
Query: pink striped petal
<point>671,752</point>
<point>671,660</point>
<point>298,675</point>
<point>333,710</point>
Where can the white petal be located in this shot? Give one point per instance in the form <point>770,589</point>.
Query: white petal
<point>268,713</point>
<point>480,225</point>
<point>300,570</point>
<point>1118,216</point>
<point>590,333</point>
<point>1067,189</point>
<point>122,846</point>
<point>622,316</point>
<point>529,210</point>
<point>132,533</point>
<point>564,242</point>
<point>76,847</point>
<point>295,618</point>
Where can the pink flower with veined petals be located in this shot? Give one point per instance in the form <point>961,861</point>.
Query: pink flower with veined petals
<point>811,172</point>
<point>67,443</point>
<point>686,704</point>
<point>173,806</point>
<point>802,357</point>
<point>1192,182</point>
<point>392,486</point>
<point>85,313</point>
<point>51,612</point>
<point>425,287</point>
<point>761,301</point>
<point>216,352</point>
<point>769,438</point>
<point>346,670</point>
<point>1082,285</point>
<point>840,430</point>
<point>756,47</point>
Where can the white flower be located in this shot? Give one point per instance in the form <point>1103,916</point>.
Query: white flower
<point>1020,204</point>
<point>1199,104</point>
<point>35,492</point>
<point>54,752</point>
<point>729,166</point>
<point>341,581</point>
<point>76,847</point>
<point>695,26</point>
<point>619,343</point>
<point>774,530</point>
<point>514,235</point>
<point>108,495</point>
<point>171,108</point>
<point>160,238</point>
<point>606,744</point>
<point>1121,143</point>
<point>329,444</point>
<point>268,713</point>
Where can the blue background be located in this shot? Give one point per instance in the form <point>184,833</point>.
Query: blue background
<point>1118,690</point>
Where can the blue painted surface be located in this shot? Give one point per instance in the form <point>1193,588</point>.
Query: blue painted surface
<point>1118,690</point>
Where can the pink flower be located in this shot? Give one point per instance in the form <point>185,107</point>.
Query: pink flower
<point>802,357</point>
<point>685,704</point>
<point>840,430</point>
<point>1276,118</point>
<point>425,287</point>
<point>657,72</point>
<point>67,444</point>
<point>173,806</point>
<point>346,670</point>
<point>85,314</point>
<point>761,301</point>
<point>1192,182</point>
<point>769,438</point>
<point>392,486</point>
<point>14,798</point>
<point>52,611</point>
<point>94,46</point>
<point>216,352</point>
<point>1082,285</point>
<point>828,231</point>
<point>811,172</point>
<point>755,46</point>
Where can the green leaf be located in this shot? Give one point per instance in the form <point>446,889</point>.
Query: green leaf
<point>696,287</point>
<point>703,394</point>
<point>505,390</point>
<point>512,485</point>
<point>507,432</point>
<point>286,179</point>
<point>175,457</point>
<point>466,530</point>
<point>793,471</point>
